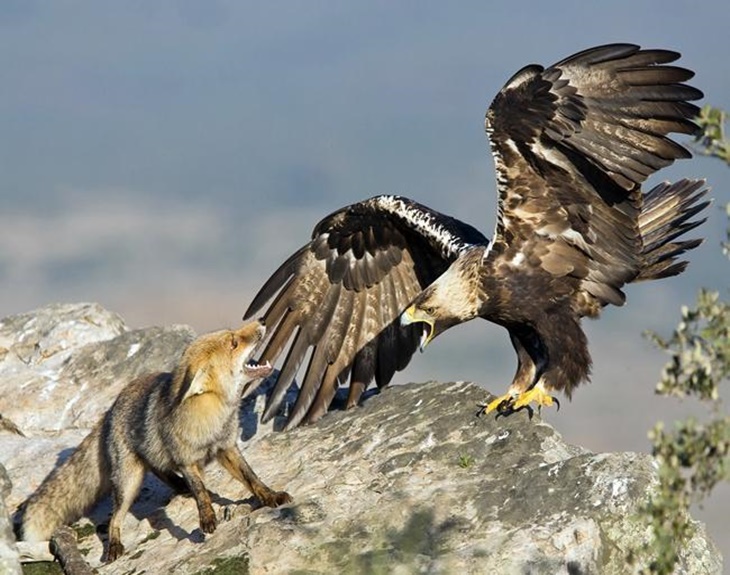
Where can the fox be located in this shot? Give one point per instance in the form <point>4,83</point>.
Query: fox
<point>172,424</point>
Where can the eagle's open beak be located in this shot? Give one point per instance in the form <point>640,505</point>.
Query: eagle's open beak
<point>409,316</point>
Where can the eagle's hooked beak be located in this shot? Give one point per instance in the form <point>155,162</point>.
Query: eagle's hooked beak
<point>413,315</point>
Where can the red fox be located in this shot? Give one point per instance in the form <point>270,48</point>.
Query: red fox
<point>167,423</point>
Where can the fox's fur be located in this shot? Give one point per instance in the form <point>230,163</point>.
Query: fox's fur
<point>167,423</point>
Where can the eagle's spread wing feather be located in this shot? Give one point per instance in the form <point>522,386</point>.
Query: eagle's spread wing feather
<point>337,300</point>
<point>667,214</point>
<point>572,145</point>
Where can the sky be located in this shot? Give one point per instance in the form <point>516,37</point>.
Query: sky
<point>163,158</point>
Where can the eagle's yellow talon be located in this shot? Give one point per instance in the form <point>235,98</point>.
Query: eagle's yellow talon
<point>509,403</point>
<point>499,404</point>
<point>536,394</point>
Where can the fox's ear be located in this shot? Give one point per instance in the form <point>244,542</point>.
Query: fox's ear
<point>197,385</point>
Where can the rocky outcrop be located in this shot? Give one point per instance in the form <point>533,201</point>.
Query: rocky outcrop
<point>409,482</point>
<point>9,564</point>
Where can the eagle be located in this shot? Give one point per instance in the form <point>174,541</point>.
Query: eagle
<point>572,144</point>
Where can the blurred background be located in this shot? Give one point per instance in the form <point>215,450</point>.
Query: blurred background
<point>164,158</point>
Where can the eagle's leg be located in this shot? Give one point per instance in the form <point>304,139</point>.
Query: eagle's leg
<point>523,381</point>
<point>527,386</point>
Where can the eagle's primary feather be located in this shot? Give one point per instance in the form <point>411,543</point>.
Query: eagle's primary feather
<point>573,144</point>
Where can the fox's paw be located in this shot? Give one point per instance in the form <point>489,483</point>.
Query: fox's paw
<point>280,498</point>
<point>115,551</point>
<point>208,522</point>
<point>272,498</point>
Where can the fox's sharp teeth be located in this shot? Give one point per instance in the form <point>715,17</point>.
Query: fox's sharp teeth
<point>253,368</point>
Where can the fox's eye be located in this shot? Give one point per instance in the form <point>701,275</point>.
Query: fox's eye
<point>234,343</point>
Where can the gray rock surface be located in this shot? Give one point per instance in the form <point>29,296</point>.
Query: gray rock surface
<point>9,559</point>
<point>411,482</point>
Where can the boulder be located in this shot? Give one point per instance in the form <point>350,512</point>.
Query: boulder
<point>411,481</point>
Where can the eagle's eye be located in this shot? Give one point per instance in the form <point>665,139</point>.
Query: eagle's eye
<point>430,310</point>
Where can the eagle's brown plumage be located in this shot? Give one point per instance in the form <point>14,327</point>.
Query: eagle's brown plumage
<point>338,298</point>
<point>573,144</point>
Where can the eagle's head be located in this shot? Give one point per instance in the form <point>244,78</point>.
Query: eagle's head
<point>448,301</point>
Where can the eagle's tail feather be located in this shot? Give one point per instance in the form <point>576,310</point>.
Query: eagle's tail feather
<point>666,215</point>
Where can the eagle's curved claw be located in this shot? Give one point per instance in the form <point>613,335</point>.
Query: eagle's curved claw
<point>537,395</point>
<point>504,405</point>
<point>500,404</point>
<point>508,403</point>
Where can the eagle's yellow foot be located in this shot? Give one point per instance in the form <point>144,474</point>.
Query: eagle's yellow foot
<point>508,403</point>
<point>500,404</point>
<point>503,405</point>
<point>538,395</point>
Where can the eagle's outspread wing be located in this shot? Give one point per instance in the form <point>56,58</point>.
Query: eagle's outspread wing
<point>572,145</point>
<point>338,298</point>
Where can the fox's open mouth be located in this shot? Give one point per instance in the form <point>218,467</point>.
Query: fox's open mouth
<point>254,369</point>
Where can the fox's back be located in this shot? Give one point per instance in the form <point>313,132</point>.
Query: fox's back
<point>148,420</point>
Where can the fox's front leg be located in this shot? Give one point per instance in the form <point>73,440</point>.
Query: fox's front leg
<point>232,459</point>
<point>194,479</point>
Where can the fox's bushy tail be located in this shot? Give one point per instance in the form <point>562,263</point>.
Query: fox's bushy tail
<point>70,490</point>
<point>666,215</point>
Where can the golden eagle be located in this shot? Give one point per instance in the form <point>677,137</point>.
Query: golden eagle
<point>572,145</point>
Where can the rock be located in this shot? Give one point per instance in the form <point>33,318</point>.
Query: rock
<point>63,365</point>
<point>409,482</point>
<point>9,559</point>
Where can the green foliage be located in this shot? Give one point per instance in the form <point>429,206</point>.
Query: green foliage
<point>726,243</point>
<point>236,564</point>
<point>42,568</point>
<point>712,140</point>
<point>84,530</point>
<point>699,349</point>
<point>150,537</point>
<point>693,457</point>
<point>465,461</point>
<point>413,548</point>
